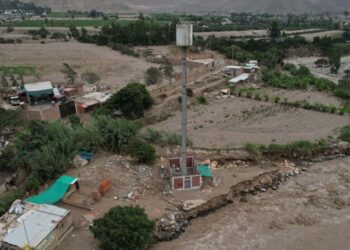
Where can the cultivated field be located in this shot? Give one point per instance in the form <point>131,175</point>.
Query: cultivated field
<point>114,68</point>
<point>232,122</point>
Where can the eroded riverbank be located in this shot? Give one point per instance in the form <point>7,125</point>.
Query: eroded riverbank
<point>310,211</point>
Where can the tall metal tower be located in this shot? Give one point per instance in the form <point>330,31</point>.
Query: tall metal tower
<point>184,34</point>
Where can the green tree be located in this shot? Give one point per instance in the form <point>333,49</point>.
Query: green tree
<point>334,58</point>
<point>124,228</point>
<point>275,30</point>
<point>43,33</point>
<point>131,100</point>
<point>142,151</point>
<point>74,32</point>
<point>69,73</point>
<point>153,75</point>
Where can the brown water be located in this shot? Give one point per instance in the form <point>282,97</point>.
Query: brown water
<point>311,211</point>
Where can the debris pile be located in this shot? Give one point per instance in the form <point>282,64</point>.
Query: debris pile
<point>215,165</point>
<point>170,226</point>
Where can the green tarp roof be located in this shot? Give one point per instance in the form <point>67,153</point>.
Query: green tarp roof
<point>55,192</point>
<point>205,171</point>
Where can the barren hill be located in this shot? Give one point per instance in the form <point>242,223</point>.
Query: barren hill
<point>255,6</point>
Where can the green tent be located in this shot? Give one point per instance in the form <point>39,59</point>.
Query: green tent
<point>205,171</point>
<point>55,192</point>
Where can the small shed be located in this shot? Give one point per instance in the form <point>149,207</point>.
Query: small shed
<point>39,92</point>
<point>206,174</point>
<point>233,70</point>
<point>239,79</point>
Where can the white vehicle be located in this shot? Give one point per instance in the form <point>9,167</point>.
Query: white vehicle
<point>14,100</point>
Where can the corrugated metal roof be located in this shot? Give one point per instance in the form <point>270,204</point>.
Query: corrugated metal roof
<point>239,78</point>
<point>38,223</point>
<point>40,86</point>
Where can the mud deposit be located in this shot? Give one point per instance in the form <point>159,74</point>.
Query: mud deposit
<point>311,211</point>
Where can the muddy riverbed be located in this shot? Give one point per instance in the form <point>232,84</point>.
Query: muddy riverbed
<point>311,211</point>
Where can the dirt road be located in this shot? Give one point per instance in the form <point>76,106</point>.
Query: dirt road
<point>311,211</point>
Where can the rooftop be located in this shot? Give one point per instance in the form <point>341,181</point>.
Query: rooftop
<point>39,221</point>
<point>239,78</point>
<point>39,86</point>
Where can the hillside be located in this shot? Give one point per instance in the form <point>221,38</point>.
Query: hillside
<point>255,6</point>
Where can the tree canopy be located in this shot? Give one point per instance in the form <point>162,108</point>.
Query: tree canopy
<point>126,228</point>
<point>131,100</point>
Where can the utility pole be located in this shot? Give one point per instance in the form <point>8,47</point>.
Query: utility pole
<point>184,34</point>
<point>184,113</point>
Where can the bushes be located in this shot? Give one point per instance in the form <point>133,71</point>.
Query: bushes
<point>142,151</point>
<point>201,100</point>
<point>125,228</point>
<point>47,148</point>
<point>345,134</point>
<point>32,183</point>
<point>301,79</point>
<point>9,118</point>
<point>115,134</point>
<point>90,77</point>
<point>298,148</point>
<point>7,199</point>
<point>125,50</point>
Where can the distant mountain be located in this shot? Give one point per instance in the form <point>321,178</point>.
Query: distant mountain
<point>255,6</point>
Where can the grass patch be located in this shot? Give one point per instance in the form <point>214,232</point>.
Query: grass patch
<point>17,70</point>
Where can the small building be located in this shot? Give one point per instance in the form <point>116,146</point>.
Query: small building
<point>193,178</point>
<point>233,70</point>
<point>38,93</point>
<point>31,226</point>
<point>90,101</point>
<point>241,79</point>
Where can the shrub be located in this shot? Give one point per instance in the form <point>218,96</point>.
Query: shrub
<point>7,157</point>
<point>277,99</point>
<point>345,134</point>
<point>90,77</point>
<point>123,228</point>
<point>251,148</point>
<point>115,134</point>
<point>189,92</point>
<point>201,100</point>
<point>153,76</point>
<point>7,199</point>
<point>75,120</point>
<point>32,183</point>
<point>142,151</point>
